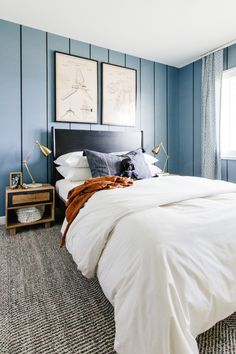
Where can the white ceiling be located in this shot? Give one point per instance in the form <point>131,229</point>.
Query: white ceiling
<point>174,32</point>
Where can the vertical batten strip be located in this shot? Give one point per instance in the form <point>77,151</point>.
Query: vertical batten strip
<point>154,106</point>
<point>69,53</point>
<point>167,114</point>
<point>227,67</point>
<point>21,100</point>
<point>193,113</point>
<point>34,124</point>
<point>140,95</point>
<point>10,104</point>
<point>46,90</point>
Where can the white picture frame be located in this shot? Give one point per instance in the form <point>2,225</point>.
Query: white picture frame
<point>119,95</point>
<point>76,89</point>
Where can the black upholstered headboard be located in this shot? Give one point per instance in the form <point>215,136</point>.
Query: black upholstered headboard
<point>65,140</point>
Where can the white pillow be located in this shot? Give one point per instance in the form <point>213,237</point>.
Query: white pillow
<point>154,170</point>
<point>118,153</point>
<point>150,160</point>
<point>74,173</point>
<point>72,159</point>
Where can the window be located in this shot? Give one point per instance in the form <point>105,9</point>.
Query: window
<point>228,115</point>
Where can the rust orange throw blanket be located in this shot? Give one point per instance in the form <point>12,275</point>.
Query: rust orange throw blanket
<point>78,196</point>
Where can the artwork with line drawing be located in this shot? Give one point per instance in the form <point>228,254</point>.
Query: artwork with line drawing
<point>119,95</point>
<point>76,89</point>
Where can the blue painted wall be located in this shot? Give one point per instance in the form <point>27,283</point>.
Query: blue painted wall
<point>27,98</point>
<point>190,119</point>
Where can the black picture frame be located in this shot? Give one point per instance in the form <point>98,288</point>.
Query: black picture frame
<point>58,116</point>
<point>15,180</point>
<point>112,118</point>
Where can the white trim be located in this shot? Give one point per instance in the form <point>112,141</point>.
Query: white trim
<point>229,73</point>
<point>227,157</point>
<point>2,220</point>
<point>228,44</point>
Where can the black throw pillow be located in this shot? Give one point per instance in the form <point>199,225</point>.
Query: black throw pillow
<point>102,164</point>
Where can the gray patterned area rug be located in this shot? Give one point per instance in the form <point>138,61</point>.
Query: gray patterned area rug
<point>47,306</point>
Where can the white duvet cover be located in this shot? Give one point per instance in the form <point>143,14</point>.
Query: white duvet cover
<point>164,251</point>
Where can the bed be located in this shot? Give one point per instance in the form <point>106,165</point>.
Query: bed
<point>164,252</point>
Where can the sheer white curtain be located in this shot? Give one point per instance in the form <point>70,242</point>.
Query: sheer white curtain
<point>212,71</point>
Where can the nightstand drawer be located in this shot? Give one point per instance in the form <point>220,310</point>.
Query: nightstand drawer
<point>30,197</point>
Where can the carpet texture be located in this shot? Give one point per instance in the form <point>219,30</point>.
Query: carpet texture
<point>47,306</point>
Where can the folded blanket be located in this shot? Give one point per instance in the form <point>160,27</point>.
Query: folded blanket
<point>78,196</point>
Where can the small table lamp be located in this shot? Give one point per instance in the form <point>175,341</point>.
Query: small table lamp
<point>45,151</point>
<point>156,151</point>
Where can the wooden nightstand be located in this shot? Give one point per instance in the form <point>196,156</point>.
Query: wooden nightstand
<point>23,198</point>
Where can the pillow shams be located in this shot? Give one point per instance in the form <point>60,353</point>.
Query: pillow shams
<point>74,173</point>
<point>72,159</point>
<point>77,159</point>
<point>154,170</point>
<point>150,160</point>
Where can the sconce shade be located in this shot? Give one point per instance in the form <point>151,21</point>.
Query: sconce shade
<point>156,149</point>
<point>44,149</point>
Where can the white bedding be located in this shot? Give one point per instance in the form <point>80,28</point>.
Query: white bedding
<point>63,186</point>
<point>165,254</point>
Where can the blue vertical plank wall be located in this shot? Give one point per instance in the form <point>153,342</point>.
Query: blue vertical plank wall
<point>60,44</point>
<point>186,132</point>
<point>147,103</point>
<point>197,73</point>
<point>10,104</point>
<point>160,124</point>
<point>135,63</point>
<point>27,98</point>
<point>34,109</point>
<point>173,135</point>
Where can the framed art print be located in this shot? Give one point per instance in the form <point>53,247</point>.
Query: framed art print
<point>119,90</point>
<point>76,89</point>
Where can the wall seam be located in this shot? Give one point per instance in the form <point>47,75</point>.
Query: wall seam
<point>227,67</point>
<point>21,100</point>
<point>167,113</point>
<point>90,55</point>
<point>193,170</point>
<point>140,91</point>
<point>47,115</point>
<point>154,100</point>
<point>70,54</point>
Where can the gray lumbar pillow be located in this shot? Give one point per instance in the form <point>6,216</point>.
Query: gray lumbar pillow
<point>140,165</point>
<point>102,164</point>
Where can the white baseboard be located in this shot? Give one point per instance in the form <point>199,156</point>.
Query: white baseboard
<point>2,220</point>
